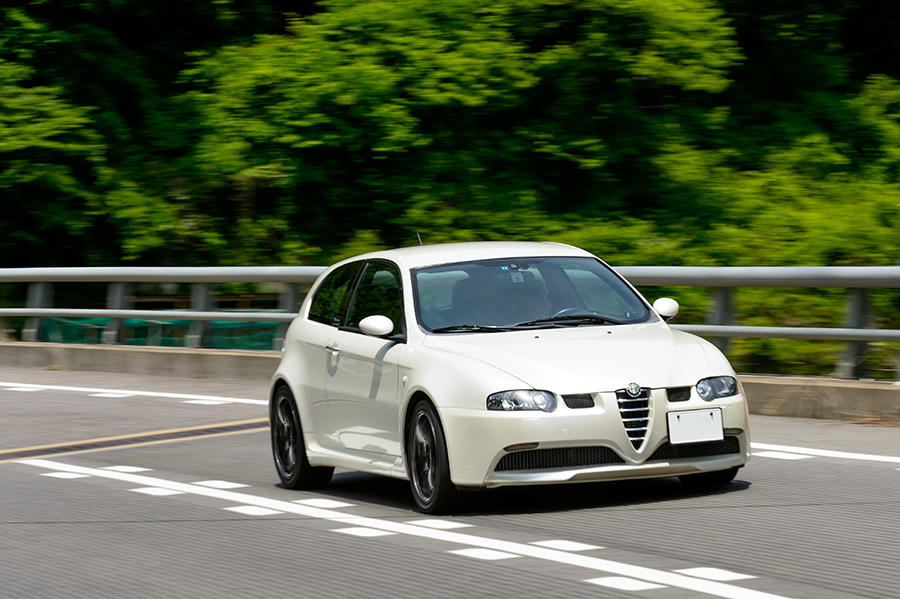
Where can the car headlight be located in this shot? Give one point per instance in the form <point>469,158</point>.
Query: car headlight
<point>716,386</point>
<point>523,399</point>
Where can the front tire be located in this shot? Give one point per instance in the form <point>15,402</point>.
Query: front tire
<point>288,447</point>
<point>429,466</point>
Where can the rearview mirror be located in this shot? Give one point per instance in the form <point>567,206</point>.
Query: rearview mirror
<point>666,307</point>
<point>376,325</point>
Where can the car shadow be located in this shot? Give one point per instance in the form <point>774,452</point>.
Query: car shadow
<point>370,488</point>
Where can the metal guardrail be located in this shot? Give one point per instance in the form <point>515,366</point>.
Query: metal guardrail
<point>718,325</point>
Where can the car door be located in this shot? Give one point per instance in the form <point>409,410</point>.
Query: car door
<point>326,313</point>
<point>362,385</point>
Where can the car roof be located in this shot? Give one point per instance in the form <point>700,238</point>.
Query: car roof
<point>446,253</point>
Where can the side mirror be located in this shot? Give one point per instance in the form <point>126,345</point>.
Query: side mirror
<point>376,325</point>
<point>666,307</point>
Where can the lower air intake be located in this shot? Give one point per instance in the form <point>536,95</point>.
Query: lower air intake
<point>667,451</point>
<point>558,458</point>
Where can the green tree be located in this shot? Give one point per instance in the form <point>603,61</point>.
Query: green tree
<point>463,119</point>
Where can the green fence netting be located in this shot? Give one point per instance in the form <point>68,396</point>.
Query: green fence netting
<point>163,332</point>
<point>73,330</point>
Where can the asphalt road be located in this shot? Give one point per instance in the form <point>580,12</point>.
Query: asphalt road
<point>128,486</point>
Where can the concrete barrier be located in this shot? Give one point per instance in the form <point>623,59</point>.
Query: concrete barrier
<point>161,361</point>
<point>822,397</point>
<point>802,397</point>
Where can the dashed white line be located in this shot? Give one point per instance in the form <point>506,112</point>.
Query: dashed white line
<point>715,574</point>
<point>439,524</point>
<point>157,491</point>
<point>131,469</point>
<point>206,402</point>
<point>565,545</point>
<point>361,531</point>
<point>624,584</point>
<point>323,503</point>
<point>253,510</point>
<point>781,455</point>
<point>827,453</point>
<point>485,554</point>
<point>220,484</point>
<point>129,392</point>
<point>647,576</point>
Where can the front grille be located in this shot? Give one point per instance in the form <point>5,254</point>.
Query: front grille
<point>558,458</point>
<point>667,451</point>
<point>579,400</point>
<point>635,412</point>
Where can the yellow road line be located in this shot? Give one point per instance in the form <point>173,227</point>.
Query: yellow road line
<point>137,435</point>
<point>140,439</point>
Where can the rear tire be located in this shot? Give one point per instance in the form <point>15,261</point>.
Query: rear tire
<point>709,479</point>
<point>428,464</point>
<point>288,447</point>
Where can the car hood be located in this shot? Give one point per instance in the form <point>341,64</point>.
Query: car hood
<point>590,359</point>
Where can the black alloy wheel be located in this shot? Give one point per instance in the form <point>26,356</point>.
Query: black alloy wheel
<point>429,466</point>
<point>288,448</point>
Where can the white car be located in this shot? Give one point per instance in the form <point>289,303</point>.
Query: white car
<point>489,364</point>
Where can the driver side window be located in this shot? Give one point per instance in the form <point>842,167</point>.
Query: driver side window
<point>379,292</point>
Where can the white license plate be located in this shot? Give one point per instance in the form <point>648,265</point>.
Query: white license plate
<point>694,426</point>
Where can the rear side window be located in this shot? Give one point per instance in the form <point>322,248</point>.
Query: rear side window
<point>330,302</point>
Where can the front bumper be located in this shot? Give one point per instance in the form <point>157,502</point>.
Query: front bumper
<point>476,440</point>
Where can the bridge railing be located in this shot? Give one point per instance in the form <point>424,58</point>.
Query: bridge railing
<point>856,280</point>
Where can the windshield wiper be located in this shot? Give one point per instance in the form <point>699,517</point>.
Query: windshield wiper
<point>571,319</point>
<point>467,328</point>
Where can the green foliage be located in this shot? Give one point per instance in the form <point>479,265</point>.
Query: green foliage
<point>671,132</point>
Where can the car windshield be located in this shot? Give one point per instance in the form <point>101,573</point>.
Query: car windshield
<point>499,295</point>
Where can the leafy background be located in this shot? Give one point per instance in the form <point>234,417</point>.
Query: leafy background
<point>664,132</point>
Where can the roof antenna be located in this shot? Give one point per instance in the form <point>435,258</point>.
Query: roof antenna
<point>419,237</point>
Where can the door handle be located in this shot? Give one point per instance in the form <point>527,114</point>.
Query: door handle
<point>333,349</point>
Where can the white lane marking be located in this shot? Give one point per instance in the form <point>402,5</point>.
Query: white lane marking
<point>252,510</point>
<point>486,554</point>
<point>127,469</point>
<point>207,402</point>
<point>323,503</point>
<point>439,524</point>
<point>65,475</point>
<point>360,531</point>
<point>108,395</point>
<point>715,574</point>
<point>624,584</point>
<point>28,386</point>
<point>22,389</point>
<point>565,545</point>
<point>827,453</point>
<point>157,491</point>
<point>780,455</point>
<point>717,589</point>
<point>220,484</point>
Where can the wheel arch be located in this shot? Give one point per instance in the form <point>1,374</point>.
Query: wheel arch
<point>414,400</point>
<point>277,383</point>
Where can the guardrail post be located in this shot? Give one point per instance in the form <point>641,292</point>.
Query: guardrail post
<point>856,316</point>
<point>288,301</point>
<point>118,297</point>
<point>201,301</point>
<point>40,295</point>
<point>719,312</point>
